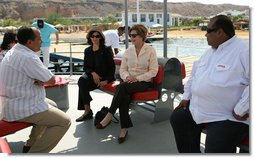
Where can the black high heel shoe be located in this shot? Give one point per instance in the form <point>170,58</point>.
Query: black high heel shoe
<point>99,126</point>
<point>122,139</point>
<point>85,117</point>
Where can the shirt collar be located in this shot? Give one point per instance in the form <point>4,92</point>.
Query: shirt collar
<point>22,48</point>
<point>227,43</point>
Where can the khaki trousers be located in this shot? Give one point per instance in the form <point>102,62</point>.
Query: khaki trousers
<point>49,127</point>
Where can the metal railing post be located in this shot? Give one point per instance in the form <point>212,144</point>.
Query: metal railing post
<point>71,67</point>
<point>165,30</point>
<point>177,51</point>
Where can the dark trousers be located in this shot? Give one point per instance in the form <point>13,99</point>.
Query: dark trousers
<point>122,100</point>
<point>221,137</point>
<point>85,84</point>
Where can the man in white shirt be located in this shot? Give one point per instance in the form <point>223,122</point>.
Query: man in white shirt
<point>112,38</point>
<point>22,94</point>
<point>217,94</point>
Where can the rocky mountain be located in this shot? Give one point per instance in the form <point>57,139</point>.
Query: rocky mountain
<point>29,9</point>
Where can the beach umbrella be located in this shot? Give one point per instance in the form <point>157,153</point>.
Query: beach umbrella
<point>58,25</point>
<point>10,28</point>
<point>1,29</point>
<point>156,25</point>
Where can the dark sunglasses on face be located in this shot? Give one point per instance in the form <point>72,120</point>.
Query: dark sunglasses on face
<point>95,36</point>
<point>133,35</point>
<point>209,30</point>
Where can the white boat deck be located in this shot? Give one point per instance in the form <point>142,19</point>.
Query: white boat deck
<point>145,138</point>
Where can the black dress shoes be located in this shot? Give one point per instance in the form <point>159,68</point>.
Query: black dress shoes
<point>26,149</point>
<point>122,139</point>
<point>85,117</point>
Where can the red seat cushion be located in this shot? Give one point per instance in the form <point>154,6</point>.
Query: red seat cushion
<point>111,87</point>
<point>139,96</point>
<point>117,61</point>
<point>59,81</point>
<point>11,127</point>
<point>4,146</point>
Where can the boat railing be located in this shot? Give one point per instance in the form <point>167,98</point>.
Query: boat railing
<point>67,57</point>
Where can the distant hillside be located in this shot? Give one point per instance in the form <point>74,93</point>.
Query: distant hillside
<point>29,9</point>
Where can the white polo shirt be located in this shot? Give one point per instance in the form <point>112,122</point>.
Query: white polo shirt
<point>111,38</point>
<point>219,83</point>
<point>19,96</point>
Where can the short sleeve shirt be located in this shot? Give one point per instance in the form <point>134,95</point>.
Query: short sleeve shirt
<point>46,31</point>
<point>111,38</point>
<point>20,97</point>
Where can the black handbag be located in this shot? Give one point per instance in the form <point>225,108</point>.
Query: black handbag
<point>99,116</point>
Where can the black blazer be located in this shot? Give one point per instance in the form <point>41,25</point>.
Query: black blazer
<point>100,62</point>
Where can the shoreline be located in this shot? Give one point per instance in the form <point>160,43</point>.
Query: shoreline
<point>81,35</point>
<point>171,34</point>
<point>78,39</point>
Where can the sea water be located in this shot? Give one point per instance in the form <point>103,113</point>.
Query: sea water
<point>180,47</point>
<point>176,47</point>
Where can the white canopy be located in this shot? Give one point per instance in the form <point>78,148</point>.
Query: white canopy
<point>156,25</point>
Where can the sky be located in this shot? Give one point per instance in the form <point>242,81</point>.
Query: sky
<point>237,2</point>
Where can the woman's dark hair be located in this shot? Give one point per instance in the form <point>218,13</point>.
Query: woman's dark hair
<point>90,33</point>
<point>225,23</point>
<point>141,30</point>
<point>9,37</point>
<point>24,34</point>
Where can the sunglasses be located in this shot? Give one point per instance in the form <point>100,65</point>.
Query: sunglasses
<point>209,30</point>
<point>95,36</point>
<point>133,35</point>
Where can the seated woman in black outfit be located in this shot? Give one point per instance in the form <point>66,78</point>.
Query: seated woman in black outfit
<point>99,69</point>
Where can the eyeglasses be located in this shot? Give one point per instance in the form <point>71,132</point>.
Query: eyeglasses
<point>209,30</point>
<point>95,36</point>
<point>133,35</point>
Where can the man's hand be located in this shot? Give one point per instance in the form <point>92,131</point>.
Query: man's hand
<point>39,83</point>
<point>184,104</point>
<point>240,118</point>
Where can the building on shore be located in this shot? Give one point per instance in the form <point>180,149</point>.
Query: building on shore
<point>151,17</point>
